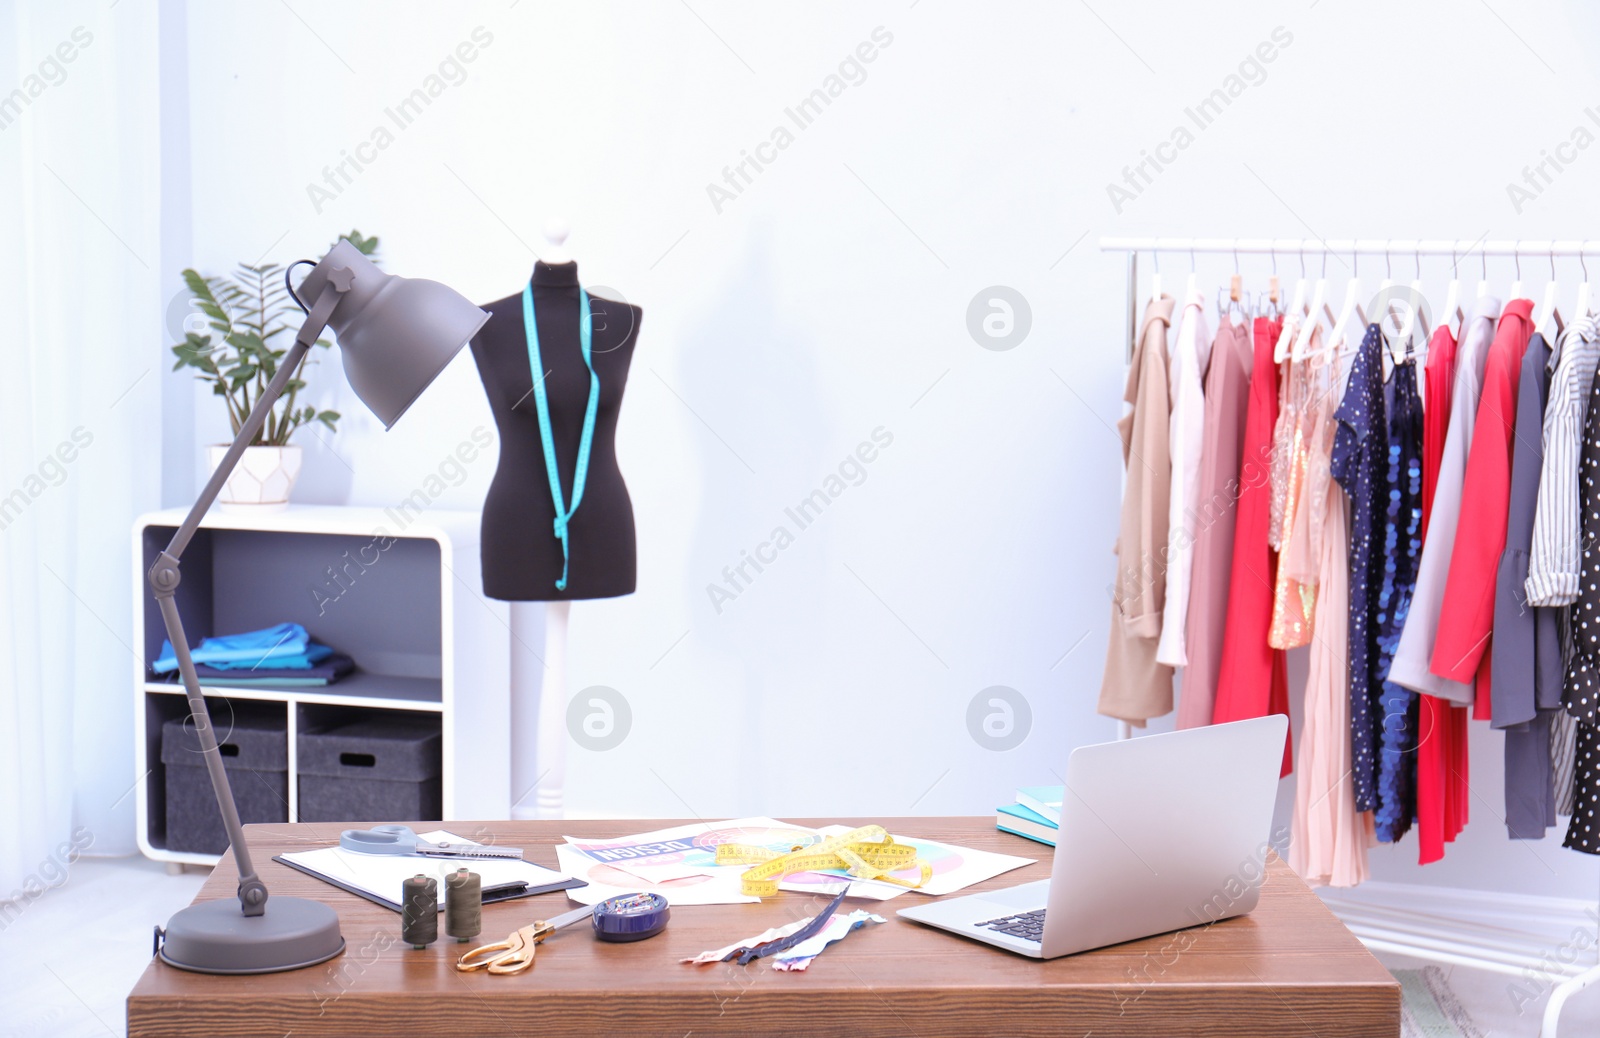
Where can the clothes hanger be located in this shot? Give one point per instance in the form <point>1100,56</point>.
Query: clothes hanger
<point>1452,294</point>
<point>1274,290</point>
<point>1352,305</point>
<point>1314,312</point>
<point>1389,357</point>
<point>1547,308</point>
<point>1189,286</point>
<point>1386,283</point>
<point>1238,298</point>
<point>1155,279</point>
<point>1408,323</point>
<point>1330,341</point>
<point>1270,304</point>
<point>1483,284</point>
<point>1516,286</point>
<point>1397,351</point>
<point>1233,310</point>
<point>1280,352</point>
<point>1581,310</point>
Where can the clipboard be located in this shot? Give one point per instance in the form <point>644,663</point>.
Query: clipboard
<point>374,876</point>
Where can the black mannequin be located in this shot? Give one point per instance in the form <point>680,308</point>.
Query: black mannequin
<point>521,555</point>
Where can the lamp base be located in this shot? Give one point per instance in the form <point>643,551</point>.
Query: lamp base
<point>216,937</point>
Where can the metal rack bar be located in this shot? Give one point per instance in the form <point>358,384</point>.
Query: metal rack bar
<point>1361,246</point>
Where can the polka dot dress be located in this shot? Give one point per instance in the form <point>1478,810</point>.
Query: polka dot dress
<point>1583,832</point>
<point>1360,464</point>
<point>1581,691</point>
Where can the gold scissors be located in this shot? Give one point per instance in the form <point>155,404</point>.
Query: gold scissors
<point>515,953</point>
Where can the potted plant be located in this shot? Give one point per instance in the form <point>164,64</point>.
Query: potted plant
<point>248,310</point>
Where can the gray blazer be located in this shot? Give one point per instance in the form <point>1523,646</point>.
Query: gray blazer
<point>1525,670</point>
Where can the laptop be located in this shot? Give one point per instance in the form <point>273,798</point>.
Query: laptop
<point>1158,833</point>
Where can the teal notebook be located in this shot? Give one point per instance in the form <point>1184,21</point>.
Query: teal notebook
<point>1043,800</point>
<point>1020,820</point>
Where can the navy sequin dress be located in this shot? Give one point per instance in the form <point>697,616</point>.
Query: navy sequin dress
<point>1360,463</point>
<point>1402,550</point>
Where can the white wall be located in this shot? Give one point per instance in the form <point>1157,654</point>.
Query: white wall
<point>830,298</point>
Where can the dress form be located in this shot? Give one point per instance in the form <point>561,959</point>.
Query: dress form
<point>521,558</point>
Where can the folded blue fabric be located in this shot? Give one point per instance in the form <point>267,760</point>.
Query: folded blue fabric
<point>324,672</point>
<point>281,646</point>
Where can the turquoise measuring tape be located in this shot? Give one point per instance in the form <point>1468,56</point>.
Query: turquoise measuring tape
<point>581,474</point>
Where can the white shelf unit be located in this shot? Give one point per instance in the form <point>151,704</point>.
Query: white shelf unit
<point>424,638</point>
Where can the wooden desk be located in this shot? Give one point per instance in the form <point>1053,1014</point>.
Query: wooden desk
<point>1287,969</point>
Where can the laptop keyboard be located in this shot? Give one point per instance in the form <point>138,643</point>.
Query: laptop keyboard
<point>1029,925</point>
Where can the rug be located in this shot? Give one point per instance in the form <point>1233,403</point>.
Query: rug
<point>1429,1009</point>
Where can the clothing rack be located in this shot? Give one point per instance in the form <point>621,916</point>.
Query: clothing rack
<point>1362,246</point>
<point>1458,250</point>
<point>1384,930</point>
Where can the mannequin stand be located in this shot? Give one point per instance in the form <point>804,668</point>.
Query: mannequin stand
<point>538,709</point>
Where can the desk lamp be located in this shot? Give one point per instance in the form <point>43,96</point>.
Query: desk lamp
<point>396,334</point>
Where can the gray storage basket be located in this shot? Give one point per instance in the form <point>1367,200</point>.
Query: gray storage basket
<point>379,769</point>
<point>255,755</point>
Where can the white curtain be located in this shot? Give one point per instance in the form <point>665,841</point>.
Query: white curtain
<point>81,361</point>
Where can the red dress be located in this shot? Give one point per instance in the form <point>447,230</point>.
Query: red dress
<point>1462,650</point>
<point>1252,681</point>
<point>1442,725</point>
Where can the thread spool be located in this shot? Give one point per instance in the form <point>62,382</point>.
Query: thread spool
<point>463,905</point>
<point>419,918</point>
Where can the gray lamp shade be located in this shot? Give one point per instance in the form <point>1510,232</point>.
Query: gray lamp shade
<point>396,334</point>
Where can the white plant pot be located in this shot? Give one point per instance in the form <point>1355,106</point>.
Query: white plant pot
<point>262,480</point>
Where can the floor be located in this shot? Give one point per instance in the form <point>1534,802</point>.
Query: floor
<point>1492,1002</point>
<point>72,956</point>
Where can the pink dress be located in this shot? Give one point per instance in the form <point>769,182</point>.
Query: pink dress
<point>1294,593</point>
<point>1329,837</point>
<point>1227,396</point>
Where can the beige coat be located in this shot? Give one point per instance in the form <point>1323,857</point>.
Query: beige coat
<point>1135,686</point>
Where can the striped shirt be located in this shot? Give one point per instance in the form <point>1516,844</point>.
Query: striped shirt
<point>1563,758</point>
<point>1554,558</point>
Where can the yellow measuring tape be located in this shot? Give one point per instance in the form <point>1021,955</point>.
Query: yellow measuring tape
<point>868,853</point>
